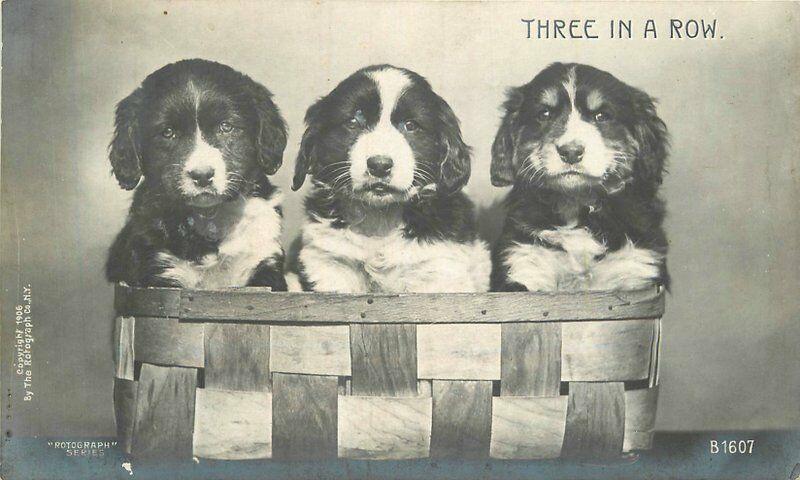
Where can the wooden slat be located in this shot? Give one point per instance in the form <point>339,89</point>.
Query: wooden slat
<point>164,412</point>
<point>424,388</point>
<point>123,347</point>
<point>237,357</point>
<point>528,427</point>
<point>168,341</point>
<point>595,420</point>
<point>147,302</point>
<point>606,351</point>
<point>304,410</point>
<point>458,352</point>
<point>125,411</point>
<point>531,359</point>
<point>250,305</point>
<point>640,418</point>
<point>315,350</point>
<point>462,419</point>
<point>344,387</point>
<point>384,427</point>
<point>384,360</point>
<point>655,354</point>
<point>231,425</point>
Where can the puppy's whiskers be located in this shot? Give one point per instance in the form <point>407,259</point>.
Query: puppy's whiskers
<point>341,181</point>
<point>532,172</point>
<point>335,166</point>
<point>423,175</point>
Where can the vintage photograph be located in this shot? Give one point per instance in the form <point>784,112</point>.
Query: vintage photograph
<point>400,240</point>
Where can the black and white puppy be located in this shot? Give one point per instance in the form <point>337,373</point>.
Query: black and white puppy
<point>386,213</point>
<point>199,139</point>
<point>585,153</point>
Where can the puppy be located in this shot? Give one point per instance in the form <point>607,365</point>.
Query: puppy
<point>386,213</point>
<point>585,154</point>
<point>199,139</point>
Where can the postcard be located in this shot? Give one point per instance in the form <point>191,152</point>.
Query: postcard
<point>400,240</point>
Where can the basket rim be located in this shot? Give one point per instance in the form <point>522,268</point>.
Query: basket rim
<point>261,305</point>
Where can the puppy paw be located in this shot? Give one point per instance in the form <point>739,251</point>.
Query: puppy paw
<point>578,242</point>
<point>536,267</point>
<point>176,271</point>
<point>629,268</point>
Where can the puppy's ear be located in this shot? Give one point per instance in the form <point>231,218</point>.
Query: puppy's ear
<point>125,148</point>
<point>454,170</point>
<point>504,168</point>
<point>652,140</point>
<point>306,155</point>
<point>271,133</point>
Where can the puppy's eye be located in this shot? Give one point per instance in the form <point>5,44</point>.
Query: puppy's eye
<point>358,120</point>
<point>409,126</point>
<point>601,117</point>
<point>544,115</point>
<point>225,127</point>
<point>168,132</point>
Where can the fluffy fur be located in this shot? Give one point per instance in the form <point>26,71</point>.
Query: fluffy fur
<point>386,213</point>
<point>197,140</point>
<point>585,154</point>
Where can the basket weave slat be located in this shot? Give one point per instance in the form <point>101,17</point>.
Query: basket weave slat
<point>123,347</point>
<point>232,425</point>
<point>314,388</point>
<point>167,341</point>
<point>164,412</point>
<point>462,419</point>
<point>384,360</point>
<point>528,427</point>
<point>595,421</point>
<point>125,411</point>
<point>531,359</point>
<point>640,418</point>
<point>459,352</point>
<point>655,354</point>
<point>384,428</point>
<point>312,350</point>
<point>606,351</point>
<point>304,416</point>
<point>236,357</point>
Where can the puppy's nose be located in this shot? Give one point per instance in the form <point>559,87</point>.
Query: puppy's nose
<point>571,152</point>
<point>201,176</point>
<point>379,165</point>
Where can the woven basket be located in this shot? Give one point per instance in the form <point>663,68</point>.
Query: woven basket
<point>245,373</point>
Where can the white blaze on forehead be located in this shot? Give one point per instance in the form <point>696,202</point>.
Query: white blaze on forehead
<point>195,92</point>
<point>384,138</point>
<point>204,157</point>
<point>391,84</point>
<point>569,86</point>
<point>594,100</point>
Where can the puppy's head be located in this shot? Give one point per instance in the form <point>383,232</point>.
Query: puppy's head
<point>382,136</point>
<point>574,127</point>
<point>198,132</point>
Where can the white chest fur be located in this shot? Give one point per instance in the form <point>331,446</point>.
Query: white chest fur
<point>341,260</point>
<point>253,239</point>
<point>576,266</point>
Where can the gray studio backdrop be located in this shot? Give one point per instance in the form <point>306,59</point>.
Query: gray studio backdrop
<point>730,350</point>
